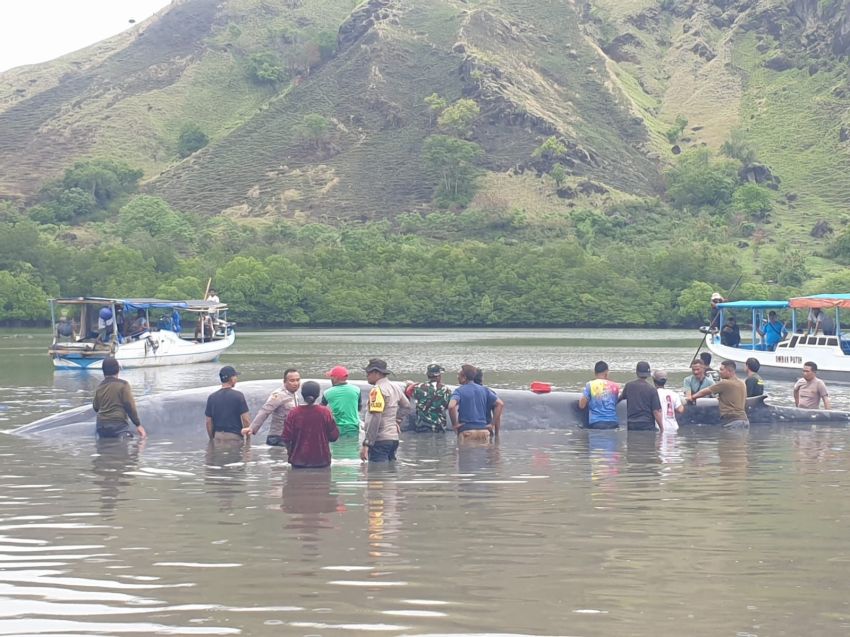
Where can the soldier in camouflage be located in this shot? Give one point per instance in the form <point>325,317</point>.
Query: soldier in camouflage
<point>432,399</point>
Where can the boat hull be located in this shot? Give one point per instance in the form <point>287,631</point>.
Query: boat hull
<point>157,349</point>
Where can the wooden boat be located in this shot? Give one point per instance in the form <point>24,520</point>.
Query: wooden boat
<point>138,332</point>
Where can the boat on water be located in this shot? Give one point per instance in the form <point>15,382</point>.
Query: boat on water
<point>137,332</point>
<point>809,330</point>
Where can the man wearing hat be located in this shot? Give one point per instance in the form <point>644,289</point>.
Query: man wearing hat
<point>715,311</point>
<point>643,407</point>
<point>277,405</point>
<point>227,411</point>
<point>344,401</point>
<point>432,399</point>
<point>671,402</point>
<point>387,408</point>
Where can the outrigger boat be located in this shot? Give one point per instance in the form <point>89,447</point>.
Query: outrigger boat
<point>138,332</point>
<point>800,342</point>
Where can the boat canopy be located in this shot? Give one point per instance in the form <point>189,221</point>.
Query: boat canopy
<point>132,305</point>
<point>823,301</point>
<point>756,305</point>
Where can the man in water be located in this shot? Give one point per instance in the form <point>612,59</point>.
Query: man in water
<point>114,404</point>
<point>671,403</point>
<point>469,405</point>
<point>277,405</point>
<point>344,401</point>
<point>600,398</point>
<point>388,406</point>
<point>754,383</point>
<point>710,372</point>
<point>227,411</point>
<point>432,399</point>
<point>643,406</point>
<point>697,380</point>
<point>731,397</point>
<point>810,390</point>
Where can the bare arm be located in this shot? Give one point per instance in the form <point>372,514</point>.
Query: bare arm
<point>659,420</point>
<point>497,415</point>
<point>582,402</point>
<point>453,414</point>
<point>210,428</point>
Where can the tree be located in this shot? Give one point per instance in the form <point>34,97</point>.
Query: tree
<point>786,266</point>
<point>698,180</point>
<point>693,302</point>
<point>191,139</point>
<point>265,68</point>
<point>457,119</point>
<point>21,297</point>
<point>558,175</point>
<point>154,216</point>
<point>435,104</point>
<point>104,179</point>
<point>551,149</point>
<point>315,130</point>
<point>675,132</point>
<point>451,161</point>
<point>68,206</point>
<point>753,201</point>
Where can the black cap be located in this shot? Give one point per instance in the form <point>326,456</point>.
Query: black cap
<point>226,373</point>
<point>377,365</point>
<point>434,370</point>
<point>642,369</point>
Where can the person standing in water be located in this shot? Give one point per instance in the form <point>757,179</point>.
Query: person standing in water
<point>600,396</point>
<point>277,406</point>
<point>114,404</point>
<point>343,400</point>
<point>227,413</point>
<point>308,431</point>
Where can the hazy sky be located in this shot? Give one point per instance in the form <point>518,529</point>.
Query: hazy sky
<point>39,30</point>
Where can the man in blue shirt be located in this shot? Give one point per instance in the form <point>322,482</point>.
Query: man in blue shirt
<point>469,406</point>
<point>600,397</point>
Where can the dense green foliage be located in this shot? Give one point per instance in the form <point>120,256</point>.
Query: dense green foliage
<point>191,139</point>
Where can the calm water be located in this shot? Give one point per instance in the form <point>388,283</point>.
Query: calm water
<point>548,533</point>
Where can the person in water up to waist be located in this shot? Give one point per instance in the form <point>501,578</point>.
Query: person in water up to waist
<point>731,397</point>
<point>469,405</point>
<point>810,390</point>
<point>432,399</point>
<point>227,411</point>
<point>697,380</point>
<point>643,406</point>
<point>114,404</point>
<point>600,398</point>
<point>388,406</point>
<point>277,406</point>
<point>344,401</point>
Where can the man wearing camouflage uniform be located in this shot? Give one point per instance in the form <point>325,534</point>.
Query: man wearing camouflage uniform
<point>432,400</point>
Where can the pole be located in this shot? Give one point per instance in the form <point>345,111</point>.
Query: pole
<point>710,325</point>
<point>207,291</point>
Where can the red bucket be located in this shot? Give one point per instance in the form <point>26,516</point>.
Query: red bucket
<point>539,387</point>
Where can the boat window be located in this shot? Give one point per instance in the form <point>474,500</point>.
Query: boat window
<point>822,340</point>
<point>832,342</point>
<point>793,342</point>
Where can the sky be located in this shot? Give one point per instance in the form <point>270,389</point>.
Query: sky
<point>33,31</point>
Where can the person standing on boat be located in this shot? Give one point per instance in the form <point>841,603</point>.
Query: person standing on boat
<point>715,311</point>
<point>343,400</point>
<point>772,331</point>
<point>671,402</point>
<point>754,383</point>
<point>105,323</point>
<point>731,397</point>
<point>114,404</point>
<point>810,390</point>
<point>643,406</point>
<point>697,380</point>
<point>227,411</point>
<point>308,431</point>
<point>432,399</point>
<point>388,406</point>
<point>599,397</point>
<point>277,405</point>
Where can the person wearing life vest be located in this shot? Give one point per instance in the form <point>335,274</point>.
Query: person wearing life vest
<point>387,408</point>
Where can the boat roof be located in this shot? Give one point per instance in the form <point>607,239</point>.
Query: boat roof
<point>821,301</point>
<point>134,304</point>
<point>767,305</point>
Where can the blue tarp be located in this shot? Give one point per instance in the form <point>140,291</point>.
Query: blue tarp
<point>757,305</point>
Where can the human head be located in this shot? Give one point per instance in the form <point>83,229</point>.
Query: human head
<point>467,374</point>
<point>375,370</point>
<point>227,375</point>
<point>659,377</point>
<point>771,315</point>
<point>479,376</point>
<point>727,369</point>
<point>310,391</point>
<point>753,364</point>
<point>698,368</point>
<point>110,366</point>
<point>291,379</point>
<point>716,297</point>
<point>601,368</point>
<point>338,375</point>
<point>705,357</point>
<point>434,371</point>
<point>810,369</point>
<point>642,369</point>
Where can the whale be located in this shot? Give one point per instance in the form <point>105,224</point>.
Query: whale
<point>179,416</point>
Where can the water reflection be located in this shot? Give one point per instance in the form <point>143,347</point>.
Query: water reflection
<point>226,473</point>
<point>112,464</point>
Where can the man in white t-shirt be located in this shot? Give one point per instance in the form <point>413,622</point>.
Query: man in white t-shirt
<point>671,402</point>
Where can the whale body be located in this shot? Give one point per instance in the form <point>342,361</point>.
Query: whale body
<point>179,415</point>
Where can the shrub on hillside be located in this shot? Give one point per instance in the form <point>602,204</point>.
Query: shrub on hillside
<point>192,139</point>
<point>451,161</point>
<point>698,179</point>
<point>458,118</point>
<point>265,68</point>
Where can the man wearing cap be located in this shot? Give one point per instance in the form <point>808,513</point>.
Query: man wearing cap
<point>643,407</point>
<point>344,401</point>
<point>387,408</point>
<point>114,404</point>
<point>731,397</point>
<point>469,405</point>
<point>227,412</point>
<point>671,402</point>
<point>600,398</point>
<point>277,405</point>
<point>432,399</point>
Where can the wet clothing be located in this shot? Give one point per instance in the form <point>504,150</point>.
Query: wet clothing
<point>670,402</point>
<point>692,384</point>
<point>277,405</point>
<point>810,393</point>
<point>387,405</point>
<point>432,399</point>
<point>641,404</point>
<point>113,401</point>
<point>731,399</point>
<point>474,435</point>
<point>474,403</point>
<point>226,407</point>
<point>601,395</point>
<point>344,402</point>
<point>755,385</point>
<point>307,433</point>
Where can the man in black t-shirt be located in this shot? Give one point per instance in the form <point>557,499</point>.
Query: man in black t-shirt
<point>643,407</point>
<point>227,411</point>
<point>754,383</point>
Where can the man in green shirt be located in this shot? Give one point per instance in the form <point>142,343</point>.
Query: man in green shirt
<point>344,401</point>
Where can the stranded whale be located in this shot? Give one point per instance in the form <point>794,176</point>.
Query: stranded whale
<point>179,415</point>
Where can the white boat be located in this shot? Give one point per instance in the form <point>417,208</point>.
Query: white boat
<point>801,343</point>
<point>137,332</point>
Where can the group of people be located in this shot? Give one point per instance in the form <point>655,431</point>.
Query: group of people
<point>655,406</point>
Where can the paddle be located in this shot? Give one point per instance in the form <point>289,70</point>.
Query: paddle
<point>710,325</point>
